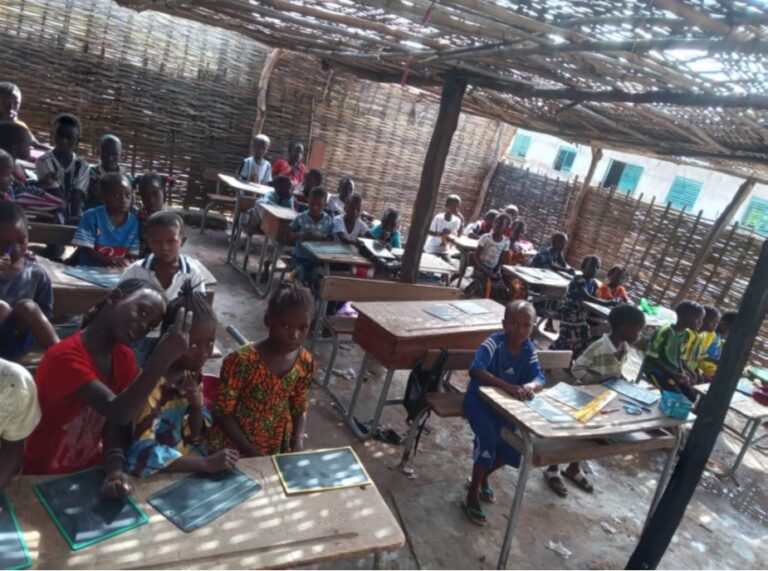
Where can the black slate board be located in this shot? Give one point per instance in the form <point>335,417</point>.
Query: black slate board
<point>83,517</point>
<point>13,549</point>
<point>330,469</point>
<point>200,498</point>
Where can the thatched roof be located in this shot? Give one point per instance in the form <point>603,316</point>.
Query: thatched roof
<point>672,78</point>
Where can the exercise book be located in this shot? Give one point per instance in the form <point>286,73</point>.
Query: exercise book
<point>569,395</point>
<point>330,469</point>
<point>96,276</point>
<point>547,410</point>
<point>377,249</point>
<point>328,248</point>
<point>639,394</point>
<point>13,549</point>
<point>470,307</point>
<point>443,311</point>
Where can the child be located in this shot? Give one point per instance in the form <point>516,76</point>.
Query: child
<point>574,329</point>
<point>89,386</point>
<point>26,295</point>
<point>512,211</point>
<point>508,362</point>
<point>169,432</point>
<point>151,193</point>
<point>292,167</point>
<point>613,288</point>
<point>710,353</point>
<point>17,142</point>
<point>387,231</point>
<point>603,360</point>
<point>10,102</point>
<point>282,195</point>
<point>664,363</point>
<point>19,415</point>
<point>312,179</point>
<point>514,256</point>
<point>110,153</point>
<point>443,225</point>
<point>337,202</point>
<point>263,396</point>
<point>483,226</point>
<point>348,228</point>
<point>61,172</point>
<point>487,280</point>
<point>312,225</point>
<point>7,165</point>
<point>694,350</point>
<point>256,168</point>
<point>109,235</point>
<point>552,257</point>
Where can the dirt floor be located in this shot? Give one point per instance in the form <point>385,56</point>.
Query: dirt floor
<point>725,525</point>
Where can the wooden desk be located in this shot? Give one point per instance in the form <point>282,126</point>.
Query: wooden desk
<point>542,443</point>
<point>246,194</point>
<point>755,415</point>
<point>270,530</point>
<point>398,334</point>
<point>539,277</point>
<point>431,264</point>
<point>240,186</point>
<point>336,253</point>
<point>664,317</point>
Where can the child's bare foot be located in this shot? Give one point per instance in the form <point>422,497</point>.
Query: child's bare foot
<point>223,460</point>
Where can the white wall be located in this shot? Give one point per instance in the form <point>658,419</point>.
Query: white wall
<point>717,190</point>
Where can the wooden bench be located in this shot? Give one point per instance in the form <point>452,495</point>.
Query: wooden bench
<point>57,234</point>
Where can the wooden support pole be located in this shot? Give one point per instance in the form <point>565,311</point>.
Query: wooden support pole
<point>262,88</point>
<point>572,220</point>
<point>709,420</point>
<point>432,173</point>
<point>720,226</point>
<point>499,148</point>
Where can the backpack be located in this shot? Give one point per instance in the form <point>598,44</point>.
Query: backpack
<point>420,384</point>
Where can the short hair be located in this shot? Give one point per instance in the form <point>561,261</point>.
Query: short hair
<point>560,236</point>
<point>506,217</point>
<point>317,192</point>
<point>455,198</point>
<point>390,213</point>
<point>5,157</point>
<point>146,180</point>
<point>290,296</point>
<point>282,183</point>
<point>511,207</point>
<point>355,198</point>
<point>317,174</point>
<point>11,213</point>
<point>711,310</point>
<point>67,120</point>
<point>346,180</point>
<point>519,223</point>
<point>592,258</point>
<point>109,138</point>
<point>112,180</point>
<point>689,306</point>
<point>728,318</point>
<point>620,269</point>
<point>12,133</point>
<point>166,219</point>
<point>261,138</point>
<point>8,88</point>
<point>520,305</point>
<point>625,315</point>
<point>126,287</point>
<point>492,212</point>
<point>188,299</point>
<point>293,144</point>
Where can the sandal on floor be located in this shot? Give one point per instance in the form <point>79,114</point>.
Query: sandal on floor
<point>475,515</point>
<point>580,480</point>
<point>556,483</point>
<point>486,495</point>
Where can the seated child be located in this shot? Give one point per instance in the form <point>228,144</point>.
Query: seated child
<point>613,288</point>
<point>292,166</point>
<point>169,433</point>
<point>449,223</point>
<point>151,193</point>
<point>515,256</point>
<point>552,257</point>
<point>312,225</point>
<point>514,215</point>
<point>487,281</point>
<point>256,168</point>
<point>387,231</point>
<point>664,363</point>
<point>483,226</point>
<point>263,395</point>
<point>338,201</point>
<point>89,387</point>
<point>711,352</point>
<point>26,295</point>
<point>281,196</point>
<point>108,235</point>
<point>61,172</point>
<point>7,165</point>
<point>17,142</point>
<point>110,153</point>
<point>349,227</point>
<point>604,359</point>
<point>10,102</point>
<point>704,337</point>
<point>312,179</point>
<point>19,415</point>
<point>508,362</point>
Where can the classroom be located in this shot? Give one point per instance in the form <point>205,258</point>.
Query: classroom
<point>393,285</point>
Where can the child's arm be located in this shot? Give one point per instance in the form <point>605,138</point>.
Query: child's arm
<point>191,389</point>
<point>115,483</point>
<point>487,378</point>
<point>299,427</point>
<point>657,362</point>
<point>10,460</point>
<point>299,403</point>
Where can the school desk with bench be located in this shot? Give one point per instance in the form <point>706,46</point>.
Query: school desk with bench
<point>245,194</point>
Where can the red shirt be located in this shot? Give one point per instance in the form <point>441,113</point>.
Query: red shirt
<point>68,437</point>
<point>282,167</point>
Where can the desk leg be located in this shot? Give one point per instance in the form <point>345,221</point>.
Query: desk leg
<point>382,399</point>
<point>319,319</point>
<point>517,503</point>
<point>378,560</point>
<point>463,262</point>
<point>749,429</point>
<point>666,473</point>
<point>264,292</point>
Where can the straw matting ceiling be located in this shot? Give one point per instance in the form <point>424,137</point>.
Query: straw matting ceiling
<point>673,78</point>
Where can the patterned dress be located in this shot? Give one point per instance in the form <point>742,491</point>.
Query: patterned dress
<point>574,329</point>
<point>263,403</point>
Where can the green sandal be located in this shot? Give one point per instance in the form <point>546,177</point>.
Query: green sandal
<point>487,495</point>
<point>475,515</point>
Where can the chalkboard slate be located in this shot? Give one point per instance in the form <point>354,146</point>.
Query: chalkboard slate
<point>548,410</point>
<point>330,469</point>
<point>13,549</point>
<point>96,276</point>
<point>83,517</point>
<point>201,498</point>
<point>569,396</point>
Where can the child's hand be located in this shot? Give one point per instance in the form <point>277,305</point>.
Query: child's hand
<point>175,342</point>
<point>5,263</point>
<point>116,486</point>
<point>191,389</point>
<point>121,262</point>
<point>446,232</point>
<point>223,460</point>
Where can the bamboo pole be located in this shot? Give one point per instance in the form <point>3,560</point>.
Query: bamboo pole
<point>572,221</point>
<point>261,90</point>
<point>499,148</point>
<point>716,265</point>
<point>663,256</point>
<point>652,241</point>
<point>687,243</point>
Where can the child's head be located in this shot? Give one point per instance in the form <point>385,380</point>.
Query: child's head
<point>353,207</point>
<point>490,217</point>
<point>295,152</point>
<point>452,204</point>
<point>202,335</point>
<point>590,266</point>
<point>283,187</point>
<point>259,146</point>
<point>346,188</point>
<point>726,323</point>
<point>151,192</point>
<point>110,152</point>
<point>16,140</point>
<point>66,133</point>
<point>289,313</point>
<point>626,322</point>
<point>165,235</point>
<point>130,311</point>
<point>518,229</point>
<point>500,224</point>
<point>617,275</point>
<point>313,178</point>
<point>711,318</point>
<point>115,192</point>
<point>6,171</point>
<point>13,230</point>
<point>519,319</point>
<point>512,211</point>
<point>559,240</point>
<point>689,315</point>
<point>390,220</point>
<point>10,101</point>
<point>317,200</point>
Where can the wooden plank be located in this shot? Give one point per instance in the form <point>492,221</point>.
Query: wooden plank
<point>337,288</point>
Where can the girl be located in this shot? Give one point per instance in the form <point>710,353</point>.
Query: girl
<point>514,256</point>
<point>262,399</point>
<point>613,288</point>
<point>292,167</point>
<point>169,432</point>
<point>386,231</point>
<point>89,386</point>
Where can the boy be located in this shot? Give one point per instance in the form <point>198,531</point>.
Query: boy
<point>602,360</point>
<point>312,225</point>
<point>281,196</point>
<point>10,102</point>
<point>337,202</point>
<point>483,226</point>
<point>487,279</point>
<point>7,165</point>
<point>110,154</point>
<point>108,235</point>
<point>256,168</point>
<point>665,364</point>
<point>443,225</point>
<point>552,257</point>
<point>386,231</point>
<point>152,198</point>
<point>26,295</point>
<point>709,357</point>
<point>348,228</point>
<point>61,172</point>
<point>312,179</point>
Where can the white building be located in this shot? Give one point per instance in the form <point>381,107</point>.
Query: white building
<point>688,187</point>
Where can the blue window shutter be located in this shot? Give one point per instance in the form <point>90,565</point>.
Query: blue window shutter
<point>520,145</point>
<point>756,216</point>
<point>684,192</point>
<point>564,159</point>
<point>630,176</point>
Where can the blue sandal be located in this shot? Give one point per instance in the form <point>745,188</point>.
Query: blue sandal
<point>487,495</point>
<point>475,515</point>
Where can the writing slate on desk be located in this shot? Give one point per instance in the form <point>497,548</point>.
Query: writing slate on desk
<point>96,276</point>
<point>200,498</point>
<point>13,549</point>
<point>303,472</point>
<point>83,517</point>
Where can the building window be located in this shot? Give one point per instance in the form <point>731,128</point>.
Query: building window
<point>756,216</point>
<point>520,146</point>
<point>684,192</point>
<point>564,159</point>
<point>623,176</point>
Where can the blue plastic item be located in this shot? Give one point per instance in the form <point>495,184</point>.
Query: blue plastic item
<point>675,405</point>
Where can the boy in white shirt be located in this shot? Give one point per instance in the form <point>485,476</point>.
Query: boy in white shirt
<point>490,247</point>
<point>443,225</point>
<point>347,228</point>
<point>256,168</point>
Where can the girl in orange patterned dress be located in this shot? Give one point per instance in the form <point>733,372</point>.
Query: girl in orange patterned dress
<point>263,396</point>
